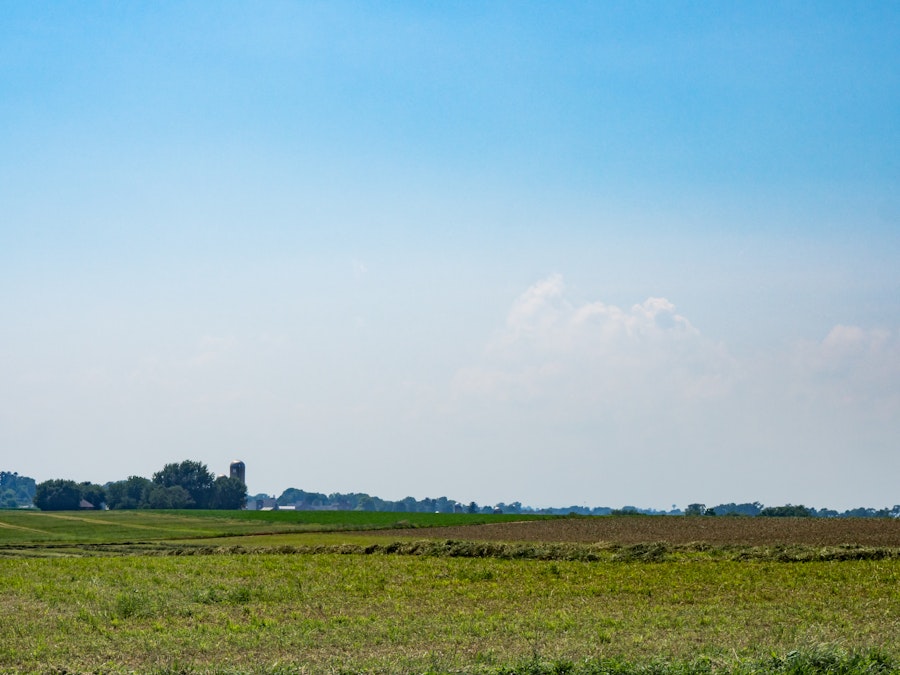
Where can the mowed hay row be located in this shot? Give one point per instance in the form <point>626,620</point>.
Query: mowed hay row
<point>725,530</point>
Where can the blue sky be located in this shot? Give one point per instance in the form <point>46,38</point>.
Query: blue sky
<point>561,253</point>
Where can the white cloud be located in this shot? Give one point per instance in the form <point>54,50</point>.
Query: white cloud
<point>851,366</point>
<point>536,307</point>
<point>586,353</point>
<point>614,400</point>
<point>579,356</point>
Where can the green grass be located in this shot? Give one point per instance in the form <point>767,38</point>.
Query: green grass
<point>311,592</point>
<point>18,528</point>
<point>366,519</point>
<point>406,614</point>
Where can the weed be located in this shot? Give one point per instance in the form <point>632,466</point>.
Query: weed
<point>131,604</point>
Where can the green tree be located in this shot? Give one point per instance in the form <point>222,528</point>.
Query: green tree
<point>170,497</point>
<point>365,503</point>
<point>57,495</point>
<point>128,494</point>
<point>228,493</point>
<point>786,511</point>
<point>16,490</point>
<point>732,509</point>
<point>695,510</point>
<point>193,477</point>
<point>303,500</point>
<point>515,507</point>
<point>94,494</point>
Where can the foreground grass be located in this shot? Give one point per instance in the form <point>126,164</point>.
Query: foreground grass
<point>226,592</point>
<point>405,614</point>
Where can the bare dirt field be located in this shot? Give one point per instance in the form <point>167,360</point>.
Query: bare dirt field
<point>678,530</point>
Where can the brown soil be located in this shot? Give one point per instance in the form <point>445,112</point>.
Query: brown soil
<point>677,530</point>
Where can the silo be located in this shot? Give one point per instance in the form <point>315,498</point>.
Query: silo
<point>238,471</point>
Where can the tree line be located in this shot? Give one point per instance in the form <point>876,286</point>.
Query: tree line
<point>15,490</point>
<point>360,501</point>
<point>190,485</point>
<point>185,485</point>
<point>788,511</point>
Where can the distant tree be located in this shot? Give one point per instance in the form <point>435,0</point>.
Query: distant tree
<point>171,497</point>
<point>786,511</point>
<point>695,510</point>
<point>93,494</point>
<point>302,499</point>
<point>365,504</point>
<point>228,493</point>
<point>341,502</point>
<point>515,507</point>
<point>57,495</point>
<point>444,505</point>
<point>732,509</point>
<point>128,494</point>
<point>16,490</point>
<point>193,477</point>
<point>472,508</point>
<point>8,499</point>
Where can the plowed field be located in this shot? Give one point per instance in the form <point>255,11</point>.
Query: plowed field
<point>678,530</point>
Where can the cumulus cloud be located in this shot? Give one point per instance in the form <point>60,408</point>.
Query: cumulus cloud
<point>851,365</point>
<point>552,347</point>
<point>590,358</point>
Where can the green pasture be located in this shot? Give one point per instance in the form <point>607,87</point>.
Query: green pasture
<point>322,592</point>
<point>97,527</point>
<point>367,519</point>
<point>413,614</point>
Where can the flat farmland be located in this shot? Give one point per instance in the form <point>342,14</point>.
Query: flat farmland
<point>231,594</point>
<point>720,531</point>
<point>312,613</point>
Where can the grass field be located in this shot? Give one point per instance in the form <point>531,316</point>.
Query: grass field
<point>68,610</point>
<point>141,525</point>
<point>72,532</point>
